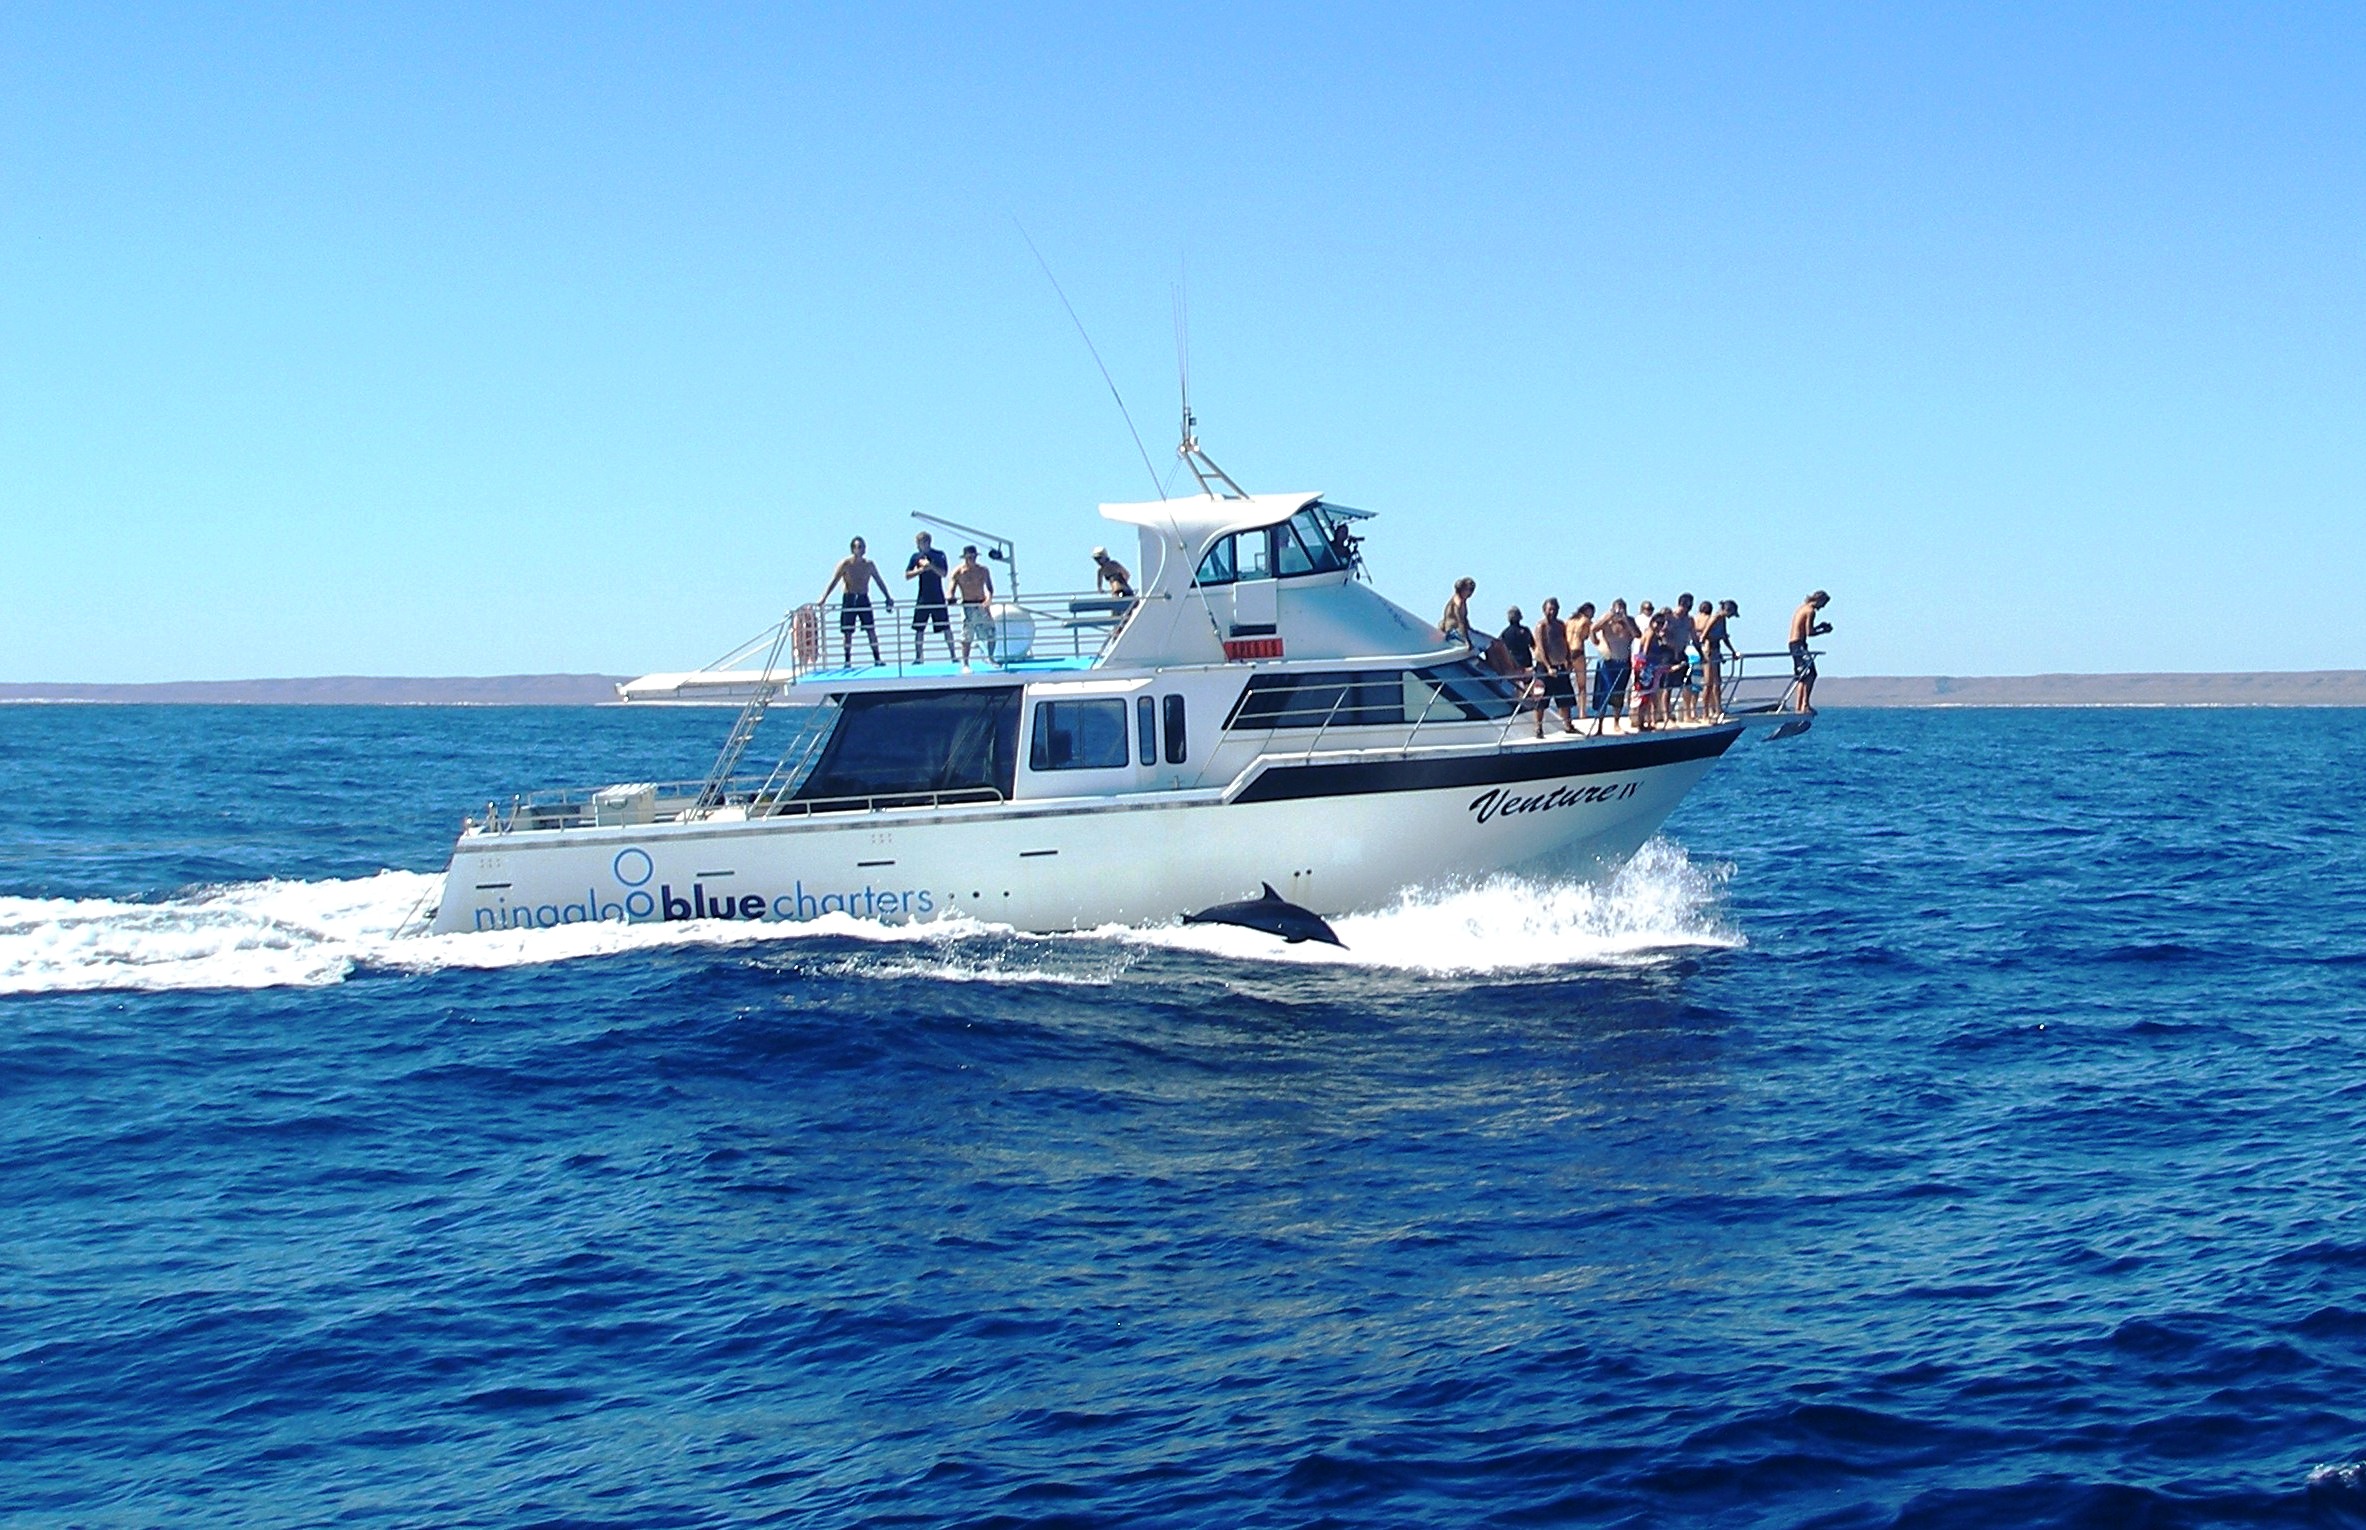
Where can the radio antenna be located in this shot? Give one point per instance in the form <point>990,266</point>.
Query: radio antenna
<point>1095,352</point>
<point>1203,467</point>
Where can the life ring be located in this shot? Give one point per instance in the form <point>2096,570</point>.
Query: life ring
<point>805,635</point>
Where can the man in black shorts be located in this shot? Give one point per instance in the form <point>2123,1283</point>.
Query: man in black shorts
<point>928,607</point>
<point>1679,672</point>
<point>856,574</point>
<point>1554,660</point>
<point>1804,626</point>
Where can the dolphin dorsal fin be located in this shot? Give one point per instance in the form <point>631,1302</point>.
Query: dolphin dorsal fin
<point>1270,895</point>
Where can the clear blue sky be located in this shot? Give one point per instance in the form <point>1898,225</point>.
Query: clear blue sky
<point>408,340</point>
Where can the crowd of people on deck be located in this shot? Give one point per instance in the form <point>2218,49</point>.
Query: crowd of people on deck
<point>1654,668</point>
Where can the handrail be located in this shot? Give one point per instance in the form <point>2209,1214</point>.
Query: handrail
<point>1064,624</point>
<point>678,801</point>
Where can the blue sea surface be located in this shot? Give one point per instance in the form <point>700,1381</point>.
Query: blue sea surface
<point>1955,1120</point>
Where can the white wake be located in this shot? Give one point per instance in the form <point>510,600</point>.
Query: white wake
<point>308,934</point>
<point>1659,904</point>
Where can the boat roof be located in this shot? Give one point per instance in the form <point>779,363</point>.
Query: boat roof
<point>1200,519</point>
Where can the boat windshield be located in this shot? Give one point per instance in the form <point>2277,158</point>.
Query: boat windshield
<point>1314,541</point>
<point>918,743</point>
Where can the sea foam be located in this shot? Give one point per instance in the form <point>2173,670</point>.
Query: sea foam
<point>309,933</point>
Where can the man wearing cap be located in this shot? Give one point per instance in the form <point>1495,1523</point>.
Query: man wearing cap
<point>973,583</point>
<point>1111,576</point>
<point>1805,627</point>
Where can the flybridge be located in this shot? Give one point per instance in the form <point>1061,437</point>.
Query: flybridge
<point>1256,578</point>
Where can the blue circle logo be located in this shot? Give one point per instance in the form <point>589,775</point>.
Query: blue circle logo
<point>633,866</point>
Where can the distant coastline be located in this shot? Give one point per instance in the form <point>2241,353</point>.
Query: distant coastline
<point>2271,688</point>
<point>342,690</point>
<point>2300,688</point>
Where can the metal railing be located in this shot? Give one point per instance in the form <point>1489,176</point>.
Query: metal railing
<point>883,639</point>
<point>1348,705</point>
<point>589,807</point>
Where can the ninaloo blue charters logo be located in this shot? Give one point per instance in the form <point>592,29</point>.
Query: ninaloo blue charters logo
<point>631,900</point>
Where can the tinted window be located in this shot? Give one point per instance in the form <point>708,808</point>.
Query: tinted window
<point>1320,701</point>
<point>1468,688</point>
<point>1306,545</point>
<point>1078,735</point>
<point>1146,724</point>
<point>939,741</point>
<point>1216,567</point>
<point>1175,744</point>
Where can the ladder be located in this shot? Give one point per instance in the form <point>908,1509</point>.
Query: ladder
<point>743,731</point>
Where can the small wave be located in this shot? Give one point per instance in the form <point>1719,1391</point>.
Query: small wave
<point>280,934</point>
<point>1659,904</point>
<point>2343,1477</point>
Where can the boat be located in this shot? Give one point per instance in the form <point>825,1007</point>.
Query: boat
<point>1252,712</point>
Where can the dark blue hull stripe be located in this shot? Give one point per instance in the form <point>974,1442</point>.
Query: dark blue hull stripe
<point>1543,762</point>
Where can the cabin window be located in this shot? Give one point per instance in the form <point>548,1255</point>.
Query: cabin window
<point>1243,555</point>
<point>1078,735</point>
<point>1462,692</point>
<point>1175,742</point>
<point>1320,701</point>
<point>1308,544</point>
<point>919,744</point>
<point>1465,690</point>
<point>1146,724</point>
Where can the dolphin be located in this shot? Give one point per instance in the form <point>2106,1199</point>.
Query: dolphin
<point>1274,914</point>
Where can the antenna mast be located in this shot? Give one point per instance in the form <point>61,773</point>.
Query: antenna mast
<point>1095,352</point>
<point>1203,467</point>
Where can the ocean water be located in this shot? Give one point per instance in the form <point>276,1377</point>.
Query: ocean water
<point>1956,1118</point>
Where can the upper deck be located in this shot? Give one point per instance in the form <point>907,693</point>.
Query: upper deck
<point>1256,579</point>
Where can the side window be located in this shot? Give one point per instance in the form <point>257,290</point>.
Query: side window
<point>1424,704</point>
<point>1078,735</point>
<point>1146,724</point>
<point>1295,559</point>
<point>1254,558</point>
<point>1217,567</point>
<point>1176,749</point>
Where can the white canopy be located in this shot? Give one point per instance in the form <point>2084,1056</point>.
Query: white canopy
<point>1197,520</point>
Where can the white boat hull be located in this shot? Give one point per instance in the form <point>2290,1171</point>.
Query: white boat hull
<point>1334,836</point>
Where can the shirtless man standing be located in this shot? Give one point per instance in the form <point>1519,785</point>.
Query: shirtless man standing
<point>1714,641</point>
<point>1804,626</point>
<point>973,586</point>
<point>1552,660</point>
<point>1615,636</point>
<point>857,574</point>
